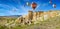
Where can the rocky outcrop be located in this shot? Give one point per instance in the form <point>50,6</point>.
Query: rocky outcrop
<point>36,17</point>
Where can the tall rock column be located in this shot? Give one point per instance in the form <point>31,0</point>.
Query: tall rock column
<point>34,16</point>
<point>30,16</point>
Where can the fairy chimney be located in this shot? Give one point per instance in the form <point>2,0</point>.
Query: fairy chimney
<point>30,15</point>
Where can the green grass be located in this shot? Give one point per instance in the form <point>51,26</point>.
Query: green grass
<point>51,23</point>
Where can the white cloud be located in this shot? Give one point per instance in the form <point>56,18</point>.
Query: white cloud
<point>15,11</point>
<point>5,6</point>
<point>45,4</point>
<point>17,1</point>
<point>38,5</point>
<point>24,8</point>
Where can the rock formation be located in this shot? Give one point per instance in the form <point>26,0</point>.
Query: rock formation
<point>36,17</point>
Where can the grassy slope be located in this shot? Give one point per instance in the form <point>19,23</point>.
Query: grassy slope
<point>4,20</point>
<point>52,23</point>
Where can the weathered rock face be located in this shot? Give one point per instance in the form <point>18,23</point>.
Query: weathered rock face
<point>30,15</point>
<point>35,17</point>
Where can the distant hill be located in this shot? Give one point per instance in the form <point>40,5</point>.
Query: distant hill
<point>12,16</point>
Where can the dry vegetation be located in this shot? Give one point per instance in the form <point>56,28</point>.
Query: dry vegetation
<point>50,23</point>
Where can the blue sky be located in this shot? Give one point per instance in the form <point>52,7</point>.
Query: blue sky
<point>16,7</point>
